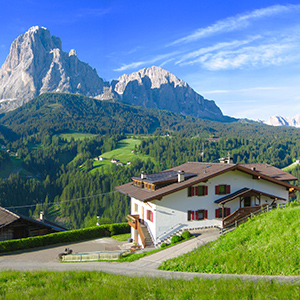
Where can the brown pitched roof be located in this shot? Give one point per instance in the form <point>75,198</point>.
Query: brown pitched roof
<point>205,171</point>
<point>7,217</point>
<point>270,171</point>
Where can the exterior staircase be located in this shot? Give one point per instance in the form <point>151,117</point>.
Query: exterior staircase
<point>148,240</point>
<point>241,213</point>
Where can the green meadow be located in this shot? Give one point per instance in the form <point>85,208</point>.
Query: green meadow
<point>124,153</point>
<point>291,167</point>
<point>268,244</point>
<point>97,285</point>
<point>76,135</point>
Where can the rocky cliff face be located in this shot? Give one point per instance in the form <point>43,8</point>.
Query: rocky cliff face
<point>157,88</point>
<point>37,64</point>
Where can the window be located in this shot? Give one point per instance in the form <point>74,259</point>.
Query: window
<point>222,189</point>
<point>200,190</point>
<point>150,215</point>
<point>200,214</point>
<point>136,207</point>
<point>219,212</point>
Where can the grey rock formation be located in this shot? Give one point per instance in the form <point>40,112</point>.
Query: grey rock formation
<point>37,64</point>
<point>157,88</point>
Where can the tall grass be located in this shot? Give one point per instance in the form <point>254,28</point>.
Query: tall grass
<point>268,244</point>
<point>95,285</point>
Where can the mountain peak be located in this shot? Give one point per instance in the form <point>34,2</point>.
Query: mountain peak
<point>157,76</point>
<point>157,88</point>
<point>37,64</point>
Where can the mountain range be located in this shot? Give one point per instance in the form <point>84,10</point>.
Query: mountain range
<point>37,64</point>
<point>282,121</point>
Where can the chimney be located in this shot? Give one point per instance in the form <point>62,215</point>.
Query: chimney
<point>229,159</point>
<point>143,175</point>
<point>42,216</point>
<point>180,176</point>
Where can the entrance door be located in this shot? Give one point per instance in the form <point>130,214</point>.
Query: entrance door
<point>247,201</point>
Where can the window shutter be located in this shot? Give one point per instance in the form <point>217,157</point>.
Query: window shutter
<point>205,190</point>
<point>189,191</point>
<point>147,214</point>
<point>151,216</point>
<point>217,213</point>
<point>205,214</point>
<point>193,191</point>
<point>193,215</point>
<point>227,211</point>
<point>228,189</point>
<point>197,215</point>
<point>217,190</point>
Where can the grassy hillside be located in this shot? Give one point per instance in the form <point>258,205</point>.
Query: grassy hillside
<point>268,244</point>
<point>291,167</point>
<point>124,153</point>
<point>97,285</point>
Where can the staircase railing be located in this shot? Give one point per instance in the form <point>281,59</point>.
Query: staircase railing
<point>263,209</point>
<point>150,232</point>
<point>240,213</point>
<point>169,232</point>
<point>140,232</point>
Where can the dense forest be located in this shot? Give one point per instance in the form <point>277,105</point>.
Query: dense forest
<point>57,175</point>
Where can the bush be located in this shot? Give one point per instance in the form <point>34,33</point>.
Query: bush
<point>186,235</point>
<point>63,237</point>
<point>175,239</point>
<point>163,245</point>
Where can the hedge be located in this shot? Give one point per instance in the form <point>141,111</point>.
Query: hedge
<point>65,236</point>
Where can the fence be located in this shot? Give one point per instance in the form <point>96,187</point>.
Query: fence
<point>263,209</point>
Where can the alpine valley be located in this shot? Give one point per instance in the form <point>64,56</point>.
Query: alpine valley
<point>62,128</point>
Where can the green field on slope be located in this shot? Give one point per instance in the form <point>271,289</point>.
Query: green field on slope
<point>268,244</point>
<point>124,153</point>
<point>97,285</point>
<point>76,135</point>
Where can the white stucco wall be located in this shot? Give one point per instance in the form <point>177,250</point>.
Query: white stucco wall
<point>170,214</point>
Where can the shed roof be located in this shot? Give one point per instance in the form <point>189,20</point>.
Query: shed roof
<point>7,217</point>
<point>244,192</point>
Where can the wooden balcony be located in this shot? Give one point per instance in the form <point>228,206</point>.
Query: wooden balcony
<point>132,220</point>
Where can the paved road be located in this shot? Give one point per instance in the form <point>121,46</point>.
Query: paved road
<point>46,259</point>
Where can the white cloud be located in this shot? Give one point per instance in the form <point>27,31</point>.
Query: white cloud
<point>138,64</point>
<point>237,22</point>
<point>256,56</point>
<point>259,88</point>
<point>229,45</point>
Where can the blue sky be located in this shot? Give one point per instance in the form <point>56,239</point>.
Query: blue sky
<point>245,55</point>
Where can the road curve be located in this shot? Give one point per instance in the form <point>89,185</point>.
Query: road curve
<point>46,259</point>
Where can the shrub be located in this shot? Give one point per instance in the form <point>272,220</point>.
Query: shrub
<point>186,235</point>
<point>175,239</point>
<point>63,237</point>
<point>163,245</point>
